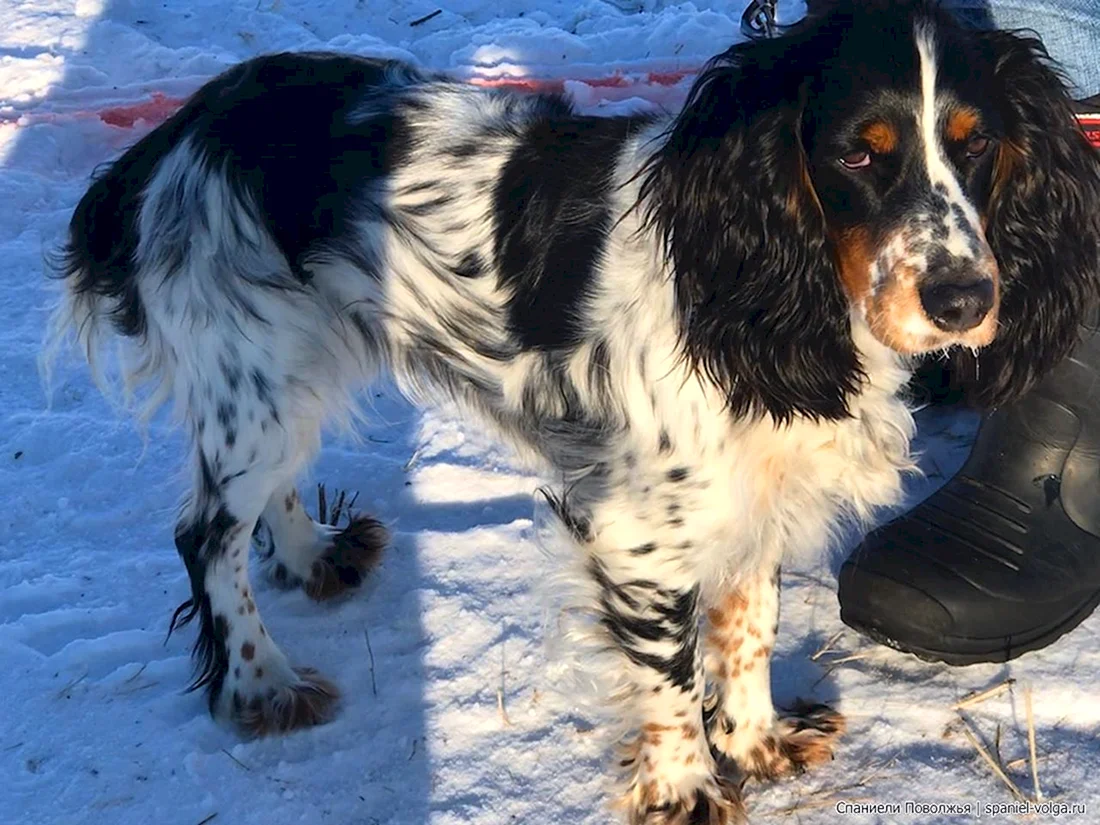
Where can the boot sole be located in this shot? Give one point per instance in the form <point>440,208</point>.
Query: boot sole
<point>961,651</point>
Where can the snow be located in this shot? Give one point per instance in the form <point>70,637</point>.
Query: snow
<point>95,727</point>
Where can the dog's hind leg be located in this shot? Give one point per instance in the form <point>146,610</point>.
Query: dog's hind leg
<point>322,557</point>
<point>248,444</point>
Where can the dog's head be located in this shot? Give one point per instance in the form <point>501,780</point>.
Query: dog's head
<point>879,164</point>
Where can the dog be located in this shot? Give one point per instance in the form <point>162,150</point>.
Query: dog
<point>700,325</point>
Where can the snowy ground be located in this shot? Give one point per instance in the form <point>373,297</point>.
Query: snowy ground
<point>94,726</point>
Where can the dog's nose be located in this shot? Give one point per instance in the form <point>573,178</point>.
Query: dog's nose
<point>955,307</point>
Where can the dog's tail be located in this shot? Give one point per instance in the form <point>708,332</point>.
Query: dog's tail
<point>97,268</point>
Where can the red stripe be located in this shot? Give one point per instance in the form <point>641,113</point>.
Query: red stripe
<point>1091,124</point>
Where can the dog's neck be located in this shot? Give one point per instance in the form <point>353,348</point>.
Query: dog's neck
<point>887,371</point>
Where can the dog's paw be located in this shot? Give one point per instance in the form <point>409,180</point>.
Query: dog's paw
<point>343,565</point>
<point>713,802</point>
<point>802,737</point>
<point>301,699</point>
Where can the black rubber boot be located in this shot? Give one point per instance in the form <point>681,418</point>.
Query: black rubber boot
<point>1005,558</point>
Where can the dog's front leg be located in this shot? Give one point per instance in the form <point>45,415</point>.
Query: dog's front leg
<point>648,601</point>
<point>744,728</point>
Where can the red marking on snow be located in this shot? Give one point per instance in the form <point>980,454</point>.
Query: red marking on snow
<point>615,81</point>
<point>159,108</point>
<point>520,84</point>
<point>667,78</point>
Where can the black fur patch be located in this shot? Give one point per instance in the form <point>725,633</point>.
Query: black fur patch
<point>640,611</point>
<point>318,159</point>
<point>552,214</point>
<point>199,542</point>
<point>471,266</point>
<point>577,525</point>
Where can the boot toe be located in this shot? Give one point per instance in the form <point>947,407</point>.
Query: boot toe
<point>890,609</point>
<point>921,590</point>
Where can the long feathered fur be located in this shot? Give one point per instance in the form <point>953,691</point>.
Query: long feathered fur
<point>762,310</point>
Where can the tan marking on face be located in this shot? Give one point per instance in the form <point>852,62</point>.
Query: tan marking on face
<point>961,123</point>
<point>897,318</point>
<point>891,309</point>
<point>770,478</point>
<point>736,602</point>
<point>882,137</point>
<point>855,257</point>
<point>716,640</point>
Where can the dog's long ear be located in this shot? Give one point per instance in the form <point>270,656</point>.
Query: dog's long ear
<point>1043,226</point>
<point>762,311</point>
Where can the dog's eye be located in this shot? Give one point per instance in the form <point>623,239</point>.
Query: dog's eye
<point>976,146</point>
<point>856,160</point>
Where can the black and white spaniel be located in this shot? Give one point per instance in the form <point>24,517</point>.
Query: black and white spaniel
<point>698,325</point>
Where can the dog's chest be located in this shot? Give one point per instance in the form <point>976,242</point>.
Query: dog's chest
<point>798,482</point>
